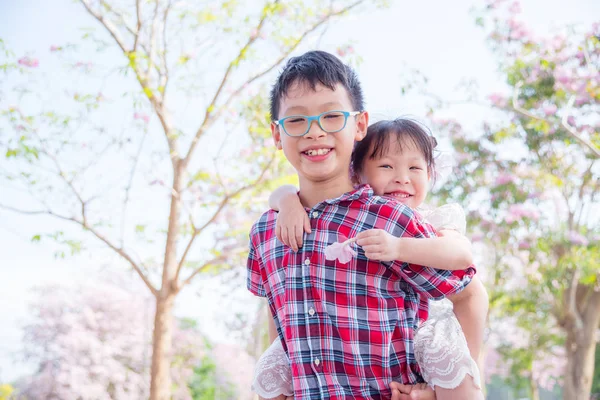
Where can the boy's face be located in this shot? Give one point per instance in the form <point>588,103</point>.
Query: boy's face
<point>319,156</point>
<point>401,172</point>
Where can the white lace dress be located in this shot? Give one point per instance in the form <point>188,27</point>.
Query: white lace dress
<point>440,345</point>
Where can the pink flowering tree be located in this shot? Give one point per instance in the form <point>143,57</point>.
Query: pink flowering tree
<point>151,137</point>
<point>95,341</point>
<point>530,181</point>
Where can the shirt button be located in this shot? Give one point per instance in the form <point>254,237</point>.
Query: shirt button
<point>315,214</point>
<point>307,262</point>
<point>311,311</point>
<point>317,362</point>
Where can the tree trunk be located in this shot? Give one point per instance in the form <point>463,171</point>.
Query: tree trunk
<point>160,379</point>
<point>160,384</point>
<point>580,366</point>
<point>534,389</point>
<point>581,349</point>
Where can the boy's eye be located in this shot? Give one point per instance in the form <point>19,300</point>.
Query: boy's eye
<point>295,120</point>
<point>414,167</point>
<point>385,166</point>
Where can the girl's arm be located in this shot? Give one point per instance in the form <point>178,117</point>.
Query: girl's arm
<point>451,251</point>
<point>283,195</point>
<point>292,220</point>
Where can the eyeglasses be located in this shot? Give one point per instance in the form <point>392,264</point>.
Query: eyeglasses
<point>329,121</point>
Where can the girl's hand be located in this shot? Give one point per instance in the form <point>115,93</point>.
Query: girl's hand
<point>378,245</point>
<point>292,222</point>
<point>419,391</point>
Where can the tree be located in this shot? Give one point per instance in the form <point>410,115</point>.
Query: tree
<point>94,341</point>
<point>530,179</point>
<point>96,174</point>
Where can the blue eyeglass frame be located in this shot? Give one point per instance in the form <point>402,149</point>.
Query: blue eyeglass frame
<point>310,119</point>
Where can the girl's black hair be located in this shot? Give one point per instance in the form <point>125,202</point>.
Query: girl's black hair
<point>380,135</point>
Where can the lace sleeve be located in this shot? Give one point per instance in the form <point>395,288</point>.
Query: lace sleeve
<point>449,216</point>
<point>272,373</point>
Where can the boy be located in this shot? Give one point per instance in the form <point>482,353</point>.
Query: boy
<point>347,328</point>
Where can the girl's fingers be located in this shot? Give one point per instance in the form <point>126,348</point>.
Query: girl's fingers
<point>298,231</point>
<point>292,238</point>
<point>307,228</point>
<point>284,237</point>
<point>278,233</point>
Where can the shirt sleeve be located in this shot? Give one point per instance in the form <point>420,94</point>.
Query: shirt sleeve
<point>431,282</point>
<point>254,281</point>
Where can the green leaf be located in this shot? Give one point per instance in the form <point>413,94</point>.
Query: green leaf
<point>36,238</point>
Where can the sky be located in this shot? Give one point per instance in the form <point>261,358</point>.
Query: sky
<point>439,39</point>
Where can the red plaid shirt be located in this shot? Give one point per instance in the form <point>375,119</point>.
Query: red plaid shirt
<point>348,328</point>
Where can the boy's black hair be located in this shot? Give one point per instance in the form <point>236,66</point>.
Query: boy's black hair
<point>378,140</point>
<point>312,68</point>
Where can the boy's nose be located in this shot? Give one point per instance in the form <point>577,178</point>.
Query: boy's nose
<point>315,131</point>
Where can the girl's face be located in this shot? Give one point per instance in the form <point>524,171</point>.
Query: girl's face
<point>401,172</point>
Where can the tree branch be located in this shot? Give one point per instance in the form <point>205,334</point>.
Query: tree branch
<point>226,199</point>
<point>143,80</point>
<point>572,313</point>
<point>98,235</point>
<point>564,121</point>
<point>211,116</point>
<point>138,26</point>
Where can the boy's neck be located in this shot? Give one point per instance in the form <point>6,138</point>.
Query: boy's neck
<point>312,193</point>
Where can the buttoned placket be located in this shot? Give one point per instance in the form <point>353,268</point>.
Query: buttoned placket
<point>311,315</point>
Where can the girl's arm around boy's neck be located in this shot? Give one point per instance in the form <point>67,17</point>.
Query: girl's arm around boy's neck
<point>282,196</point>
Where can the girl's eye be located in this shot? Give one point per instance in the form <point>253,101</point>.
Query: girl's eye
<point>385,166</point>
<point>417,168</point>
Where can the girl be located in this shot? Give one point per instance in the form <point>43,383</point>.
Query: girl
<point>396,160</point>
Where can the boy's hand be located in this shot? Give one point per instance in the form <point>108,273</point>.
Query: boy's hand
<point>378,245</point>
<point>292,222</point>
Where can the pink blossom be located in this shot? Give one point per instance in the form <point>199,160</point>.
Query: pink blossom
<point>518,211</point>
<point>577,239</point>
<point>343,252</point>
<point>562,76</point>
<point>54,48</point>
<point>143,117</point>
<point>498,99</point>
<point>29,62</point>
<point>515,8</point>
<point>504,179</point>
<point>524,245</point>
<point>477,237</point>
<point>84,65</point>
<point>550,109</point>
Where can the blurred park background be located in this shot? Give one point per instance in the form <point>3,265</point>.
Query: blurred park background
<point>135,153</point>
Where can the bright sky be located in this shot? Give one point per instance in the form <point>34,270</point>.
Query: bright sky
<point>438,38</point>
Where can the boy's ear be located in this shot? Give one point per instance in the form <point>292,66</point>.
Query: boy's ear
<point>362,123</point>
<point>276,135</point>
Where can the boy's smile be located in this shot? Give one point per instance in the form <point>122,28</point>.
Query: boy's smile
<point>319,157</point>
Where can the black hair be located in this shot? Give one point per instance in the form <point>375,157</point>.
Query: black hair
<point>312,68</point>
<point>380,135</point>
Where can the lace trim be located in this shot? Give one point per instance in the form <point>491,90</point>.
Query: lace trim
<point>272,373</point>
<point>441,349</point>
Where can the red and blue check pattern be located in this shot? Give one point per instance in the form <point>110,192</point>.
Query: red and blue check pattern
<point>348,328</point>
